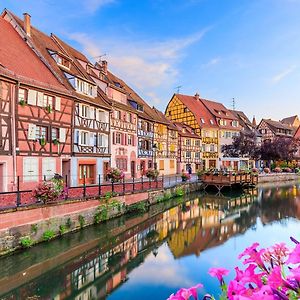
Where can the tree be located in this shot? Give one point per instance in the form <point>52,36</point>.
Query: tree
<point>243,145</point>
<point>280,148</point>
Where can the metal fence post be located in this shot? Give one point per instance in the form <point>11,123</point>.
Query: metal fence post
<point>44,177</point>
<point>149,183</point>
<point>66,187</point>
<point>84,187</point>
<point>124,185</point>
<point>112,186</point>
<point>18,192</point>
<point>133,184</point>
<point>142,180</point>
<point>99,185</point>
<point>163,179</point>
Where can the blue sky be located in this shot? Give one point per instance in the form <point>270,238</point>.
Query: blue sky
<point>246,49</point>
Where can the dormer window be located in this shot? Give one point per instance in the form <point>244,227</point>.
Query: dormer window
<point>140,107</point>
<point>211,122</point>
<point>202,120</point>
<point>61,59</point>
<point>85,88</point>
<point>235,123</point>
<point>117,84</point>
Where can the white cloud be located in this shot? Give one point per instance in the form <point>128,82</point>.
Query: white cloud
<point>146,65</point>
<point>93,5</point>
<point>278,77</point>
<point>214,61</point>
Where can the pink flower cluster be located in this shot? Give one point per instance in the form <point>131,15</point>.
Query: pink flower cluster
<point>272,274</point>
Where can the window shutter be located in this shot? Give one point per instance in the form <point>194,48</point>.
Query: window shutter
<point>40,99</point>
<point>48,167</point>
<point>31,132</point>
<point>57,103</point>
<point>80,110</point>
<point>62,135</point>
<point>133,140</point>
<point>125,139</point>
<point>79,137</point>
<point>114,138</point>
<point>92,139</point>
<point>30,169</point>
<point>94,91</point>
<point>31,97</point>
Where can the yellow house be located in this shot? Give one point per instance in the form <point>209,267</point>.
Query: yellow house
<point>191,110</point>
<point>165,142</point>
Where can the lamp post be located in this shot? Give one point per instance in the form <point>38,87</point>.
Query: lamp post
<point>154,147</point>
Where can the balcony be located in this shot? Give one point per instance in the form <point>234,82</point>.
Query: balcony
<point>209,140</point>
<point>145,153</point>
<point>143,133</point>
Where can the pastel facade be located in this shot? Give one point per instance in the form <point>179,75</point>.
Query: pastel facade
<point>189,149</point>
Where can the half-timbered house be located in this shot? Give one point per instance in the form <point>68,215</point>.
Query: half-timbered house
<point>90,111</point>
<point>189,148</point>
<point>40,108</point>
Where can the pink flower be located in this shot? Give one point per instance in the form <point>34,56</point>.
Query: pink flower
<point>249,276</point>
<point>275,279</point>
<point>294,256</point>
<point>235,289</point>
<point>295,274</point>
<point>249,250</point>
<point>218,272</point>
<point>185,294</point>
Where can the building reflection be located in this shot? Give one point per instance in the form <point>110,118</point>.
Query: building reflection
<point>188,228</point>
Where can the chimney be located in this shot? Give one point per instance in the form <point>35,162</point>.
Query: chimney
<point>104,66</point>
<point>27,25</point>
<point>254,121</point>
<point>197,96</point>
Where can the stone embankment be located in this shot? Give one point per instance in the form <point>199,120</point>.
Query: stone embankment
<point>26,227</point>
<point>275,177</point>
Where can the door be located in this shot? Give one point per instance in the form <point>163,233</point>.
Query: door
<point>87,171</point>
<point>132,169</point>
<point>105,170</point>
<point>143,167</point>
<point>65,172</point>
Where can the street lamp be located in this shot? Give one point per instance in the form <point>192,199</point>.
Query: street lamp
<point>154,147</point>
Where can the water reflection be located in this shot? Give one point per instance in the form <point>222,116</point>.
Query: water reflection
<point>93,264</point>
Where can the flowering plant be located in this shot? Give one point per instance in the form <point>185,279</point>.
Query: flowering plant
<point>277,170</point>
<point>152,173</point>
<point>271,274</point>
<point>50,190</point>
<point>115,175</point>
<point>267,170</point>
<point>287,170</point>
<point>185,176</point>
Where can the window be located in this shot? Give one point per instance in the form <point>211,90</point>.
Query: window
<point>188,142</point>
<point>84,111</point>
<point>197,143</point>
<point>30,169</point>
<point>212,148</point>
<point>118,138</point>
<point>85,88</point>
<point>140,107</point>
<point>235,123</point>
<point>172,164</point>
<point>118,114</point>
<point>161,164</point>
<point>84,138</point>
<point>48,101</point>
<point>197,155</point>
<point>188,154</point>
<point>203,148</point>
<point>41,132</point>
<point>86,171</point>
<point>211,122</point>
<point>48,167</point>
<point>121,164</point>
<point>22,95</point>
<point>54,134</point>
<point>130,139</point>
<point>202,121</point>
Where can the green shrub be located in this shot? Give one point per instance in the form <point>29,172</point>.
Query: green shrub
<point>179,192</point>
<point>101,214</point>
<point>69,223</point>
<point>81,220</point>
<point>167,196</point>
<point>137,207</point>
<point>48,235</point>
<point>34,228</point>
<point>62,229</point>
<point>26,242</point>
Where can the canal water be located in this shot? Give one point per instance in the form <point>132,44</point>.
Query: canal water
<point>150,256</point>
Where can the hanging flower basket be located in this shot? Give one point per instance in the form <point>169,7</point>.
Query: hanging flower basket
<point>55,142</point>
<point>43,142</point>
<point>22,103</point>
<point>48,109</point>
<point>152,173</point>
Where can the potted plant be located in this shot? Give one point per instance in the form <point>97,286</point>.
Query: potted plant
<point>200,173</point>
<point>48,109</point>
<point>277,170</point>
<point>152,173</point>
<point>43,141</point>
<point>115,175</point>
<point>55,142</point>
<point>185,176</point>
<point>267,170</point>
<point>22,102</point>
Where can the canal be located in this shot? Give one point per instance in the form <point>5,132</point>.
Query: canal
<point>151,255</point>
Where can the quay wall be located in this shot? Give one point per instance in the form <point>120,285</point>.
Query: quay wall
<point>36,224</point>
<point>276,177</point>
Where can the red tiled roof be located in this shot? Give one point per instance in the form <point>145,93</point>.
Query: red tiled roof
<point>185,130</point>
<point>199,110</point>
<point>16,56</point>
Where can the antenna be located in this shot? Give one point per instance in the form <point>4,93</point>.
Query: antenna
<point>233,104</point>
<point>99,56</point>
<point>178,88</point>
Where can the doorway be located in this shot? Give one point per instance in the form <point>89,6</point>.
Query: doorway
<point>2,189</point>
<point>132,168</point>
<point>65,171</point>
<point>105,170</point>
